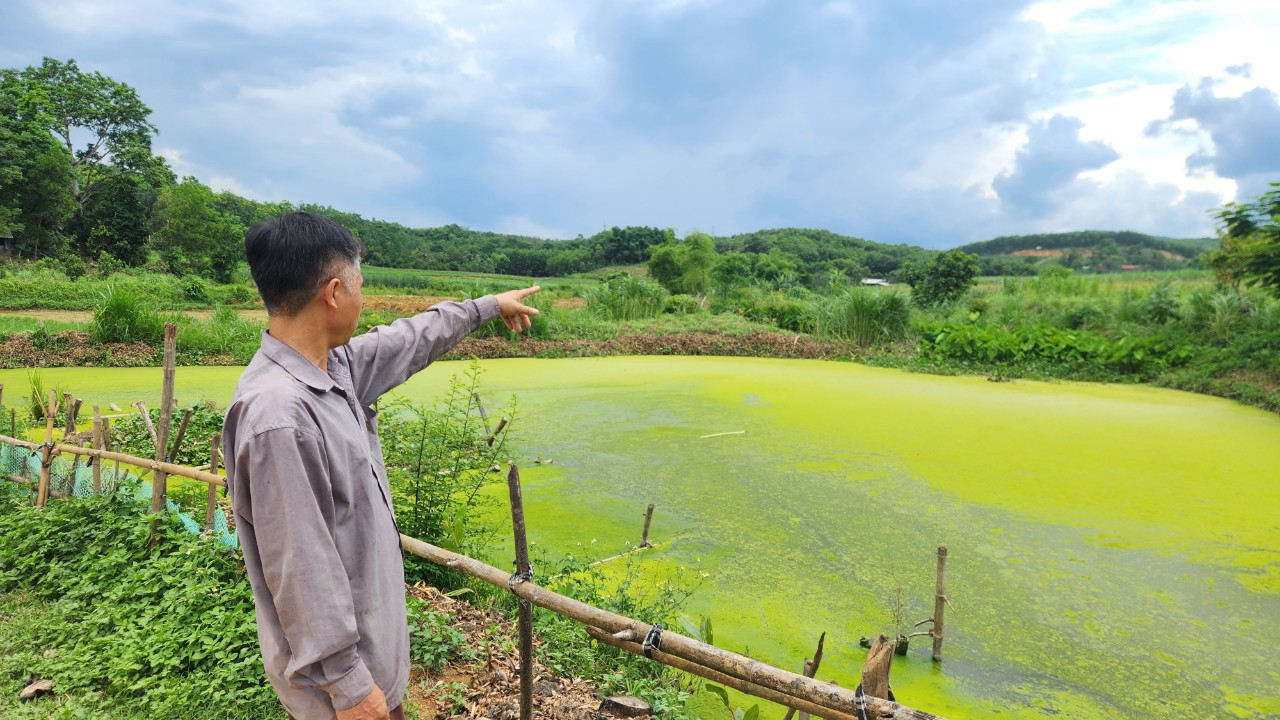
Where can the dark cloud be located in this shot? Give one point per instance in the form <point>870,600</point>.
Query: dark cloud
<point>1245,132</point>
<point>1053,157</point>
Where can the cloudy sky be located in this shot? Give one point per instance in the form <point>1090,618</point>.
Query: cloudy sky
<point>933,123</point>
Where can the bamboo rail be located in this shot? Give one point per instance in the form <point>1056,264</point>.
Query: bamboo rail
<point>169,468</point>
<point>753,672</point>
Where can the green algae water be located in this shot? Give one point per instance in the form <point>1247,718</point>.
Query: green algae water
<point>1114,550</point>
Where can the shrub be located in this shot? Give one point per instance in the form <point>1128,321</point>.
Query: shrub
<point>195,290</point>
<point>168,633</point>
<point>108,264</point>
<point>124,316</point>
<point>683,305</point>
<point>73,266</point>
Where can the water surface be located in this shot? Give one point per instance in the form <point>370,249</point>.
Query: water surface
<point>1115,550</point>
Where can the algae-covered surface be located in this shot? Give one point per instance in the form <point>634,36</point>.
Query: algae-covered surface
<point>1114,550</point>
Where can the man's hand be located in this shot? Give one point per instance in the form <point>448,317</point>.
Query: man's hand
<point>515,314</point>
<point>372,707</point>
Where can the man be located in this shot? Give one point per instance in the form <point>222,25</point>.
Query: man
<point>305,470</point>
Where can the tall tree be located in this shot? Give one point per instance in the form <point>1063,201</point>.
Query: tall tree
<point>74,106</point>
<point>192,235</point>
<point>1250,237</point>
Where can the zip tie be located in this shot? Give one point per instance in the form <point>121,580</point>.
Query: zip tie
<point>652,640</point>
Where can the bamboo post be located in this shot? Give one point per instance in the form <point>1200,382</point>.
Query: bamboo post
<point>106,446</point>
<point>71,476</point>
<point>810,670</point>
<point>523,571</point>
<point>13,421</point>
<point>159,484</point>
<point>177,439</point>
<point>97,445</point>
<point>484,416</point>
<point>68,401</point>
<point>46,457</point>
<point>214,443</point>
<point>2,397</point>
<point>648,518</point>
<point>939,604</point>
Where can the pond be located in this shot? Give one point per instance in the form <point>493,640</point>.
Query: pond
<point>1114,550</point>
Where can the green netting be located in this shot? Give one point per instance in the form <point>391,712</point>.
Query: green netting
<point>74,478</point>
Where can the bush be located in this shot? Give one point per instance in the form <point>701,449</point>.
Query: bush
<point>626,298</point>
<point>73,267</point>
<point>683,305</point>
<point>124,316</point>
<point>195,290</point>
<point>863,316</point>
<point>108,264</point>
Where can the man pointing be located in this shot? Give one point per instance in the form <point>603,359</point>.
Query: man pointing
<point>305,470</point>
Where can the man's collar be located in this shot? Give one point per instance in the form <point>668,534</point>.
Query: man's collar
<point>295,364</point>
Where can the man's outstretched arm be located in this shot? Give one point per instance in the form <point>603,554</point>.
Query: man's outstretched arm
<point>388,355</point>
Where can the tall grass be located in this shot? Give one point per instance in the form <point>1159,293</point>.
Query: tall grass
<point>224,333</point>
<point>863,315</point>
<point>125,315</point>
<point>626,298</point>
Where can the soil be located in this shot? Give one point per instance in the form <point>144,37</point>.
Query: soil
<point>492,683</point>
<point>76,349</point>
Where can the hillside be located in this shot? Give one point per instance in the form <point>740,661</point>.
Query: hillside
<point>1096,250</point>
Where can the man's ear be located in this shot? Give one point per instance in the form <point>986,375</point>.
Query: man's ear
<point>329,293</point>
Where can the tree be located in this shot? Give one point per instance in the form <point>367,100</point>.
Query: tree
<point>943,280</point>
<point>72,104</point>
<point>192,235</point>
<point>1250,239</point>
<point>35,198</point>
<point>683,267</point>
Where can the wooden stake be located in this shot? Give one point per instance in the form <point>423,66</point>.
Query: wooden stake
<point>158,483</point>
<point>67,403</point>
<point>106,446</point>
<point>214,444</point>
<point>71,476</point>
<point>13,421</point>
<point>810,670</point>
<point>875,671</point>
<point>648,518</point>
<point>146,420</point>
<point>46,457</point>
<point>177,440</point>
<point>97,445</point>
<point>939,603</point>
<point>526,610</point>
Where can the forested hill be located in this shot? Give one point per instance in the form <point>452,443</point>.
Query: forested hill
<point>810,256</point>
<point>1093,249</point>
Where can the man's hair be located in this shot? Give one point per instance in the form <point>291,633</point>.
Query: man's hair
<point>291,256</point>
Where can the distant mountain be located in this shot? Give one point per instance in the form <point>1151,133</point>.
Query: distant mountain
<point>1088,239</point>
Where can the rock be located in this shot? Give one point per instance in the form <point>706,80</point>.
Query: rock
<point>624,706</point>
<point>545,688</point>
<point>36,689</point>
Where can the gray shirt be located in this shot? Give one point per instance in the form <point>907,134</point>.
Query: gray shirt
<point>313,508</point>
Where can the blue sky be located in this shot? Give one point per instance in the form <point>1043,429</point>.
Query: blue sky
<point>931,123</point>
